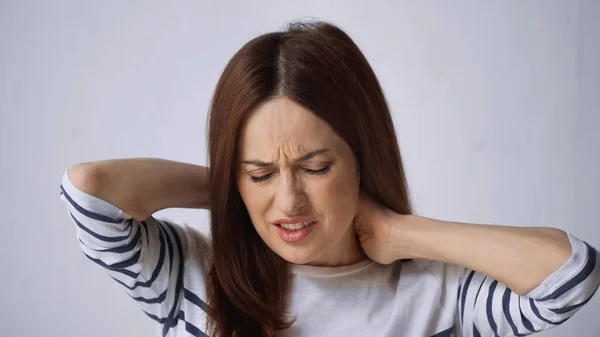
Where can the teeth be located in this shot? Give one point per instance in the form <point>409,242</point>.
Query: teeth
<point>295,226</point>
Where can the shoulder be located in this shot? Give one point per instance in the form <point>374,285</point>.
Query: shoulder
<point>444,274</point>
<point>435,283</point>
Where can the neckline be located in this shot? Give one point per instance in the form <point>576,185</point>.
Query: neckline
<point>306,270</point>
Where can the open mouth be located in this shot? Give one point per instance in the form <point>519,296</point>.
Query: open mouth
<point>292,233</point>
<point>295,226</point>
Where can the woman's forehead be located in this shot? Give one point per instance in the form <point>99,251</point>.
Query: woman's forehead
<point>288,126</point>
<point>284,115</point>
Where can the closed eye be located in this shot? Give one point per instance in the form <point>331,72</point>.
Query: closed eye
<point>258,179</point>
<point>319,171</point>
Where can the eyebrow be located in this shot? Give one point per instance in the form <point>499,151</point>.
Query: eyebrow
<point>303,158</point>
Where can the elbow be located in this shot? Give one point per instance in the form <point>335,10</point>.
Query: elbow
<point>86,177</point>
<point>558,245</point>
<point>552,250</point>
<point>562,243</point>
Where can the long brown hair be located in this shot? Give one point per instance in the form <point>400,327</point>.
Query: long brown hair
<point>318,66</point>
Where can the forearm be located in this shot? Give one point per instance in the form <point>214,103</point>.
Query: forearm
<point>142,186</point>
<point>520,258</point>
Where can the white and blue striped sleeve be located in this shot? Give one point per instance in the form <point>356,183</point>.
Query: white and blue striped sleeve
<point>145,257</point>
<point>488,308</point>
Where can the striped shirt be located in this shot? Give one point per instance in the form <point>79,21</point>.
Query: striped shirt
<point>163,266</point>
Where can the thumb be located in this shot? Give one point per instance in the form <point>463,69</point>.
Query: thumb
<point>359,226</point>
<point>356,225</point>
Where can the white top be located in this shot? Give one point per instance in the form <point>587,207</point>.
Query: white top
<point>163,266</point>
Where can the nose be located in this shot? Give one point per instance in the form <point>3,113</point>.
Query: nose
<point>290,198</point>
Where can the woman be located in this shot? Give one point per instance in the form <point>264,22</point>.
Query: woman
<point>312,232</point>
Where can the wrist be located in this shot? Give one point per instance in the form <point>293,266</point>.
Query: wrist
<point>416,237</point>
<point>404,236</point>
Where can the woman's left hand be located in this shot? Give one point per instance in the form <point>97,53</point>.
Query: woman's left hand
<point>519,257</point>
<point>379,231</point>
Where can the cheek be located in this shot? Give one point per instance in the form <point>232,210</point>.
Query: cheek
<point>338,199</point>
<point>254,200</point>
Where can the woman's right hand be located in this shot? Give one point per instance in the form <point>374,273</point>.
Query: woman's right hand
<point>143,186</point>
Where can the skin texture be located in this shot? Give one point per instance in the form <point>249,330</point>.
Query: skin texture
<point>519,257</point>
<point>350,227</point>
<point>324,186</point>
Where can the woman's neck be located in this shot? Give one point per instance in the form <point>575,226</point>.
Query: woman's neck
<point>345,252</point>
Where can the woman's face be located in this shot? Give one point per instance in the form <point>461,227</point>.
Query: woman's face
<point>300,183</point>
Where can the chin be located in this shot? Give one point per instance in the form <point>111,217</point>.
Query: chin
<point>296,255</point>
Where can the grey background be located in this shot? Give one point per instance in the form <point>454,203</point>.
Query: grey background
<point>495,104</point>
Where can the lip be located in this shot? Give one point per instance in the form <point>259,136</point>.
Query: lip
<point>295,236</point>
<point>296,219</point>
